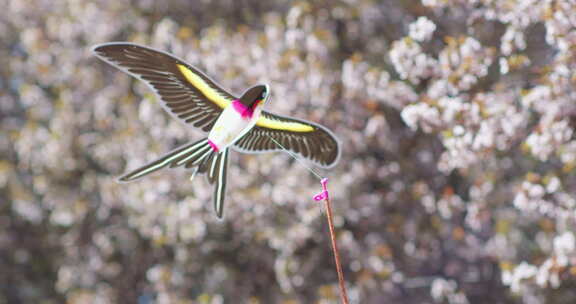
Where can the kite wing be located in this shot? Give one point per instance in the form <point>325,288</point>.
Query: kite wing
<point>312,141</point>
<point>186,92</point>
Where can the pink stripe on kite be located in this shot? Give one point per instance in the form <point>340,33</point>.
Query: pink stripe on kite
<point>213,145</point>
<point>241,109</point>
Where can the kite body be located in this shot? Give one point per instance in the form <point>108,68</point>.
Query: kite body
<point>235,121</point>
<point>231,122</point>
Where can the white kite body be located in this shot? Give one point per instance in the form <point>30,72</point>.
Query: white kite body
<point>234,122</point>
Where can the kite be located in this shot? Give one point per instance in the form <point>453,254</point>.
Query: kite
<point>237,123</point>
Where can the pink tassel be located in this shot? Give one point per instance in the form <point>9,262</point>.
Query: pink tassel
<point>324,194</point>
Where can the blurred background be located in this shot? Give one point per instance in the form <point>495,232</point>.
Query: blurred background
<point>456,183</point>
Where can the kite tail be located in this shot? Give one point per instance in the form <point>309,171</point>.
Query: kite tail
<point>201,156</point>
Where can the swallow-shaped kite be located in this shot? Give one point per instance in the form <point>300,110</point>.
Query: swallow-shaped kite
<point>231,122</point>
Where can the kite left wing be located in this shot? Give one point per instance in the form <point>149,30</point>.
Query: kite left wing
<point>186,92</point>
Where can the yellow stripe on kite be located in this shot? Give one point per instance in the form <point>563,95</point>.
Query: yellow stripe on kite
<point>265,122</point>
<point>201,85</point>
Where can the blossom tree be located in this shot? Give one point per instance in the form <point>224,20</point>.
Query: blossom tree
<point>456,182</point>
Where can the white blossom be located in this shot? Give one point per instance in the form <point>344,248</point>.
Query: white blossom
<point>422,29</point>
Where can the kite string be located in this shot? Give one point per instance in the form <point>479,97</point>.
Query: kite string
<point>295,157</point>
<point>326,197</point>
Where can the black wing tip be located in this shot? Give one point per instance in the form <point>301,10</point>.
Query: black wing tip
<point>330,164</point>
<point>334,160</point>
<point>102,48</point>
<point>333,157</point>
<point>124,179</point>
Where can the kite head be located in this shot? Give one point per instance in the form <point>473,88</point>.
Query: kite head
<point>255,96</point>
